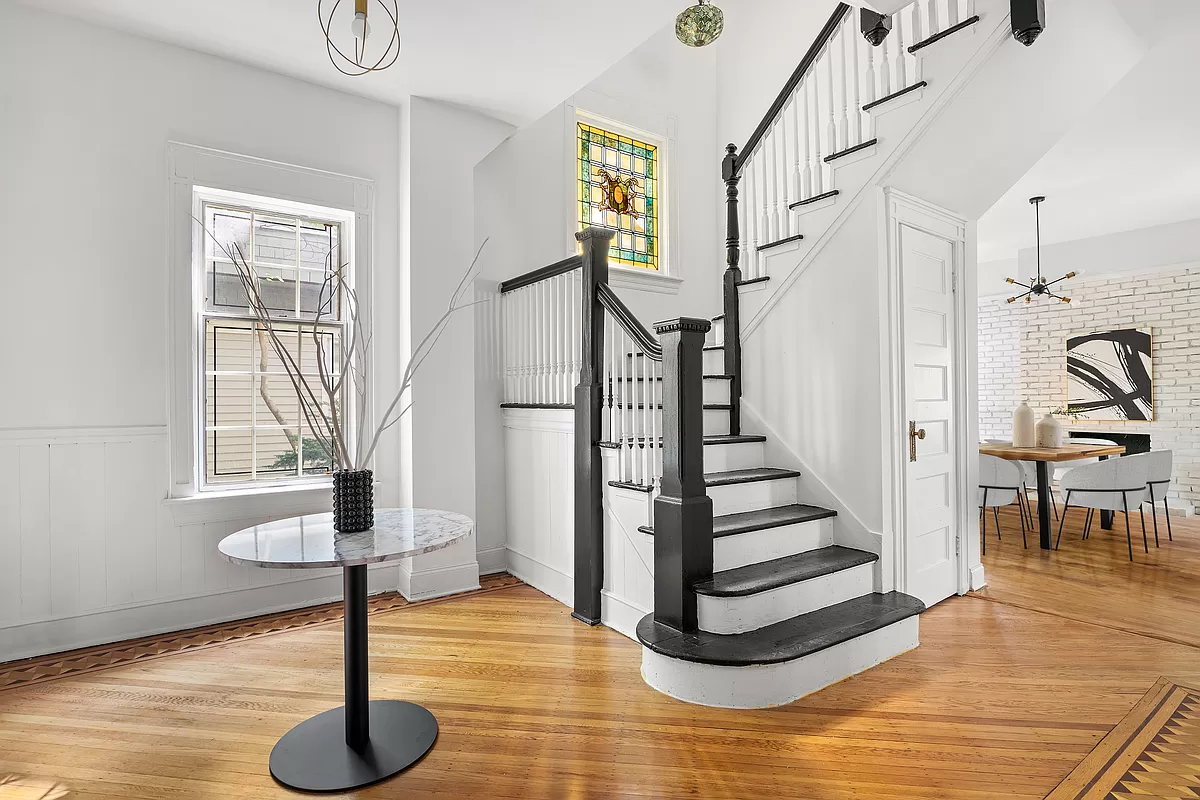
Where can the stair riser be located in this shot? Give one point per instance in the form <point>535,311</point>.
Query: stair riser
<point>741,614</point>
<point>728,457</point>
<point>743,549</point>
<point>716,390</point>
<point>776,684</point>
<point>716,334</point>
<point>738,497</point>
<point>714,362</point>
<point>716,422</point>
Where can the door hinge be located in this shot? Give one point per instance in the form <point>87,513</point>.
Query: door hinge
<point>954,281</point>
<point>958,544</point>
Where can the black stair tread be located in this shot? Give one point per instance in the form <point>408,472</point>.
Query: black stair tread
<point>797,237</point>
<point>750,281</point>
<point>763,518</point>
<point>784,641</point>
<point>785,571</point>
<point>714,347</point>
<point>748,476</point>
<point>857,147</point>
<point>659,378</point>
<point>815,198</point>
<point>937,37</point>
<point>894,95</point>
<point>707,406</point>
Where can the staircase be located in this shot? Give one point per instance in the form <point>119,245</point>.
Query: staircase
<point>697,529</point>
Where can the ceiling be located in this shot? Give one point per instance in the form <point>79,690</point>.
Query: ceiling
<point>513,60</point>
<point>1131,162</point>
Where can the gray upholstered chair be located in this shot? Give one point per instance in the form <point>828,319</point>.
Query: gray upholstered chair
<point>1000,484</point>
<point>1114,485</point>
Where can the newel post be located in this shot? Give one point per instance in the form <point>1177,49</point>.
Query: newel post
<point>683,513</point>
<point>589,478</point>
<point>733,275</point>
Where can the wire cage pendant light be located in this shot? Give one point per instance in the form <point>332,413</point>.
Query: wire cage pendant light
<point>1039,286</point>
<point>700,24</point>
<point>363,48</point>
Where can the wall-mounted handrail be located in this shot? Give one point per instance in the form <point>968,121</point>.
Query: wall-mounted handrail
<point>645,340</point>
<point>814,51</point>
<point>542,274</point>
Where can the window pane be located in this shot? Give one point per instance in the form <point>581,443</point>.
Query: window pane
<point>227,400</point>
<point>275,401</point>
<point>316,462</point>
<point>231,231</point>
<point>228,455</point>
<point>616,187</point>
<point>275,453</point>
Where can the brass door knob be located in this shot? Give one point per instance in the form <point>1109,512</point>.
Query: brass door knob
<point>913,434</point>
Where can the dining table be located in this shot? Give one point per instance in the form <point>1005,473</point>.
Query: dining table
<point>1043,457</point>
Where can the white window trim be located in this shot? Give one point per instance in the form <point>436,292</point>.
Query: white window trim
<point>190,168</point>
<point>666,279</point>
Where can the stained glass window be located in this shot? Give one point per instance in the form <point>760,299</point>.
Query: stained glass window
<point>607,159</point>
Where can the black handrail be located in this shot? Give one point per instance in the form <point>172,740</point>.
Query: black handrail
<point>625,318</point>
<point>542,274</point>
<point>839,14</point>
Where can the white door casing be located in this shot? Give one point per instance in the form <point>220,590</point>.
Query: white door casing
<point>926,497</point>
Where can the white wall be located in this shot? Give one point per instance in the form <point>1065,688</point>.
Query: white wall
<point>91,552</point>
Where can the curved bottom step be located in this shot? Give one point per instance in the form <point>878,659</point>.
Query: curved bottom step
<point>776,684</point>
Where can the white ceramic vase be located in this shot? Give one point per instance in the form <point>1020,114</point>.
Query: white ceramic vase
<point>1023,427</point>
<point>1049,432</point>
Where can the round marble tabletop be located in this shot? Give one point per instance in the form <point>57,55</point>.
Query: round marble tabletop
<point>310,542</point>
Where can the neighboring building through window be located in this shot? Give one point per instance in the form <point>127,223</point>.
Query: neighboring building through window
<point>252,429</point>
<point>619,188</point>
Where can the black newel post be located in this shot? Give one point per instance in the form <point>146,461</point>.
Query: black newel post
<point>733,274</point>
<point>683,513</point>
<point>589,485</point>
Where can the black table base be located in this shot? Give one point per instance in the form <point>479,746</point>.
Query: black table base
<point>363,741</point>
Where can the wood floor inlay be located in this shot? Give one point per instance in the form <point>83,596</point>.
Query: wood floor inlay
<point>1153,753</point>
<point>91,659</point>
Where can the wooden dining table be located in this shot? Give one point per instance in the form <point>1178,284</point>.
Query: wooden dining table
<point>1044,457</point>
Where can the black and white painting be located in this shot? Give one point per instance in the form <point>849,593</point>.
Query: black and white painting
<point>1110,375</point>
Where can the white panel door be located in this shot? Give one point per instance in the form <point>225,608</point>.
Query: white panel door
<point>928,285</point>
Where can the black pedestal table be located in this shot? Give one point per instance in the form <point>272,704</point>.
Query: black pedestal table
<point>363,741</point>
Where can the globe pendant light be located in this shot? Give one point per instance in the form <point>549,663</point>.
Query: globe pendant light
<point>360,52</point>
<point>1039,286</point>
<point>699,25</point>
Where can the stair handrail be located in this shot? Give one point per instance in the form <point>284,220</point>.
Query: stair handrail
<point>545,273</point>
<point>621,314</point>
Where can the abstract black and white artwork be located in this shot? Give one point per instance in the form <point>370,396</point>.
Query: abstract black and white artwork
<point>1110,375</point>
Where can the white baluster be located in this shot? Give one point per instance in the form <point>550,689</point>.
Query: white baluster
<point>831,128</point>
<point>752,220</point>
<point>970,8</point>
<point>901,52</point>
<point>885,71</point>
<point>784,184</point>
<point>856,118</point>
<point>798,190</point>
<point>931,24</point>
<point>622,410</point>
<point>647,410</point>
<point>656,422</point>
<point>802,122</point>
<point>816,165</point>
<point>560,348</point>
<point>916,21</point>
<point>951,13</point>
<point>744,200</point>
<point>764,230</point>
<point>843,68</point>
<point>771,159</point>
<point>543,329</point>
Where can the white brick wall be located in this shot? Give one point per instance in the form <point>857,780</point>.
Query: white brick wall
<point>1022,355</point>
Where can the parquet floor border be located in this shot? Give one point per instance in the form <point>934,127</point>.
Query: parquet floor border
<point>40,669</point>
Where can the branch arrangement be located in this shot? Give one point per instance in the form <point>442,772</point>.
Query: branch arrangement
<point>342,365</point>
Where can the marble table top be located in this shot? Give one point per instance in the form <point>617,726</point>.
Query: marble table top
<point>310,542</point>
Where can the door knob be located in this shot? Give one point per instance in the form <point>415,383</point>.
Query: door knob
<point>914,433</point>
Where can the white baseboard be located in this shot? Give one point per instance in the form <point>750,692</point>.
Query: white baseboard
<point>620,614</point>
<point>426,584</point>
<point>543,577</point>
<point>492,560</point>
<point>104,627</point>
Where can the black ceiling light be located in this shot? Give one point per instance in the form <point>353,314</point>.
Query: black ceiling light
<point>1028,20</point>
<point>1039,286</point>
<point>875,27</point>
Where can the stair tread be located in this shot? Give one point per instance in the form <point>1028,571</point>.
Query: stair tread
<point>752,475</point>
<point>763,518</point>
<point>773,574</point>
<point>784,641</point>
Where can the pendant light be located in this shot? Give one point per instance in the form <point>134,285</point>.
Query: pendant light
<point>1039,286</point>
<point>362,48</point>
<point>699,25</point>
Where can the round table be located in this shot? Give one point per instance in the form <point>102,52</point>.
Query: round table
<point>365,740</point>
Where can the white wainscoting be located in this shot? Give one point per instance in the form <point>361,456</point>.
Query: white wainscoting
<point>540,468</point>
<point>89,552</point>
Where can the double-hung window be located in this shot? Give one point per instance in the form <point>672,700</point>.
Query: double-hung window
<point>252,428</point>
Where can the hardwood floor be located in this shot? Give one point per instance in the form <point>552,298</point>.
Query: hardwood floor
<point>1000,701</point>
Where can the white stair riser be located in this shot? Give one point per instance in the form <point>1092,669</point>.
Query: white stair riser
<point>716,422</point>
<point>776,684</point>
<point>751,612</point>
<point>727,457</point>
<point>754,547</point>
<point>716,334</point>
<point>737,497</point>
<point>714,362</point>
<point>716,390</point>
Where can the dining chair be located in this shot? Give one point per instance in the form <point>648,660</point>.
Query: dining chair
<point>1083,462</point>
<point>1000,484</point>
<point>1112,485</point>
<point>1161,462</point>
<point>1028,482</point>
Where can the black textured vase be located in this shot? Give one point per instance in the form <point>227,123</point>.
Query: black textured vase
<point>353,500</point>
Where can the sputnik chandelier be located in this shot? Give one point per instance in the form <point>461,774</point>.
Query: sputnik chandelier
<point>351,56</point>
<point>1039,286</point>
